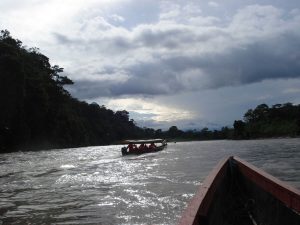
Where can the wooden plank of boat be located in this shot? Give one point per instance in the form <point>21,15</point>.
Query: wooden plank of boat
<point>237,193</point>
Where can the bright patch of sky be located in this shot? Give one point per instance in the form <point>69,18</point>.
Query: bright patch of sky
<point>186,63</point>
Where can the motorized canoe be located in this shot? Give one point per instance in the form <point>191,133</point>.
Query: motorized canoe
<point>237,193</point>
<point>126,151</point>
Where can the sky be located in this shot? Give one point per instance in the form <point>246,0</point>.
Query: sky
<point>189,63</point>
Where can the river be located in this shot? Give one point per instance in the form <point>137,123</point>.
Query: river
<point>96,185</point>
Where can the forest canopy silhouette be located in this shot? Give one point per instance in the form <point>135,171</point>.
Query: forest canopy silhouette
<point>37,112</point>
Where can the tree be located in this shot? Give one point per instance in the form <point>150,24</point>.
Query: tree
<point>173,132</point>
<point>279,120</point>
<point>239,129</point>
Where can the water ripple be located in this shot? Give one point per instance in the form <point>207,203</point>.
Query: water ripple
<point>96,185</point>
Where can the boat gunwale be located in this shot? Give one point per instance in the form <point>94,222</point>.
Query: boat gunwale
<point>200,203</point>
<point>284,192</point>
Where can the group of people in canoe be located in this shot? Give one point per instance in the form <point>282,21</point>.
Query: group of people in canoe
<point>133,148</point>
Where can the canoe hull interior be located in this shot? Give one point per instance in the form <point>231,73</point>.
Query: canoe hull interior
<point>234,194</point>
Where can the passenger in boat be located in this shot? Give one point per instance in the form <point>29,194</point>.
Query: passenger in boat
<point>131,147</point>
<point>142,147</point>
<point>152,146</point>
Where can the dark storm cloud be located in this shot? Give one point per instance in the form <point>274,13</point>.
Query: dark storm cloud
<point>115,43</point>
<point>86,89</point>
<point>276,59</point>
<point>169,38</point>
<point>260,61</point>
<point>62,39</point>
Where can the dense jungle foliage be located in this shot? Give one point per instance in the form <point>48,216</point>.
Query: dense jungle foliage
<point>37,112</point>
<point>264,122</point>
